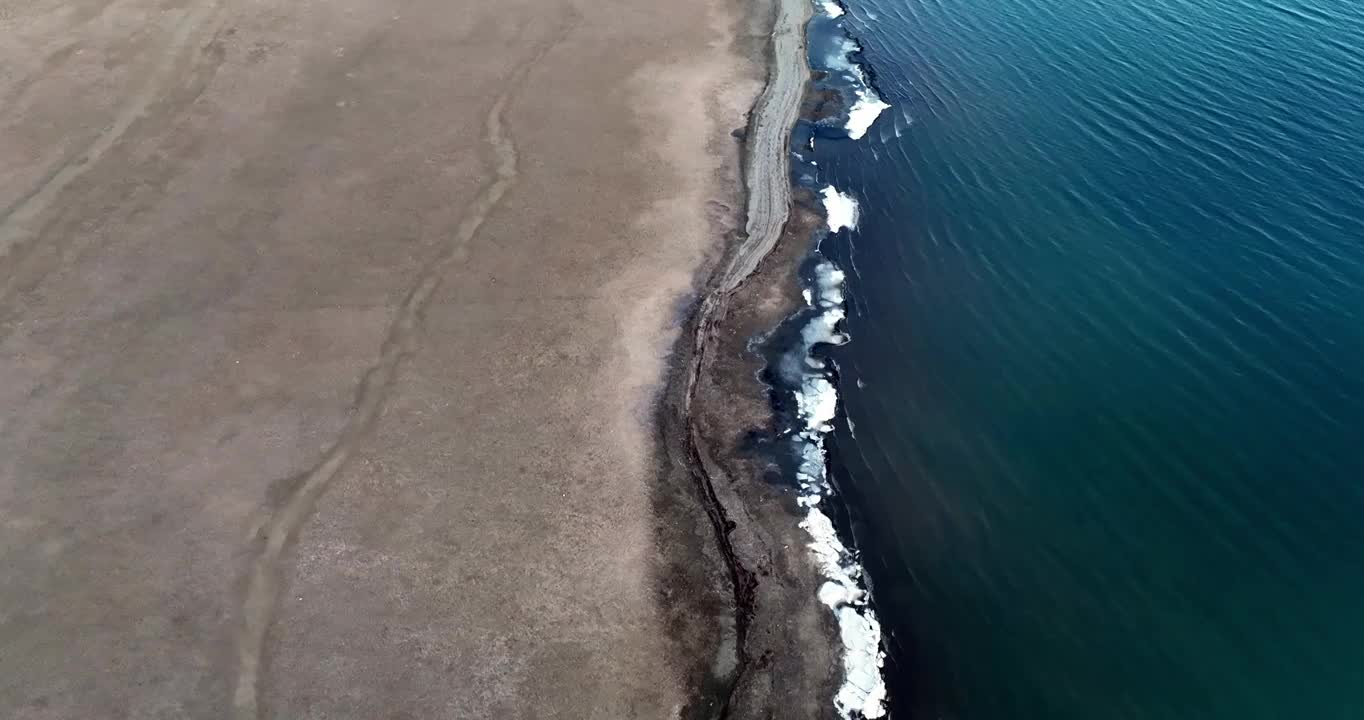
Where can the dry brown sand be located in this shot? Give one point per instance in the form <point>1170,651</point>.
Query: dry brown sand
<point>331,336</point>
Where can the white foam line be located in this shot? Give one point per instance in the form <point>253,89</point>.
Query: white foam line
<point>863,692</point>
<point>831,8</point>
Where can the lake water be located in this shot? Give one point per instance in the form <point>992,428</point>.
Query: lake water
<point>1101,436</point>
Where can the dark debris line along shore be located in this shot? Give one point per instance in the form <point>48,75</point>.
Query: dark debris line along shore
<point>766,168</point>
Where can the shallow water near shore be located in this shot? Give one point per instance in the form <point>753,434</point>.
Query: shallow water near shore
<point>1099,428</point>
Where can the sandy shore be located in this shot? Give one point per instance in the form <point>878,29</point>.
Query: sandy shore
<point>332,336</point>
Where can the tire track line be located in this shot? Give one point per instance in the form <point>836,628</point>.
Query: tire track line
<point>19,222</point>
<point>265,575</point>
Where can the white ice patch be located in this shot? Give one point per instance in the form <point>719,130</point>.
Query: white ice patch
<point>831,8</point>
<point>830,279</point>
<point>868,105</point>
<point>864,112</point>
<point>822,329</point>
<point>817,403</point>
<point>840,209</point>
<point>863,692</point>
<point>842,58</point>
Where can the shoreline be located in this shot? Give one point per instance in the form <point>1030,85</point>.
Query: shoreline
<point>420,405</point>
<point>761,506</point>
<point>782,648</point>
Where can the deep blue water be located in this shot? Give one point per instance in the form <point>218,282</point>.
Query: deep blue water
<point>1106,376</point>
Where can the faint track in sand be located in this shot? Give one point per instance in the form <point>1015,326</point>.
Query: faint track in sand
<point>19,221</point>
<point>276,533</point>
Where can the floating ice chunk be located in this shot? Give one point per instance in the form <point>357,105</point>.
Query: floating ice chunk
<point>864,112</point>
<point>840,209</point>
<point>823,329</point>
<point>863,690</point>
<point>833,594</point>
<point>829,280</point>
<point>817,402</point>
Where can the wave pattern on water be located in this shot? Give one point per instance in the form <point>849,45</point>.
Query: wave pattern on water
<point>1106,291</point>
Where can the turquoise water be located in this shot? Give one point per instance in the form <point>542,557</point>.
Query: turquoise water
<point>1105,456</point>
